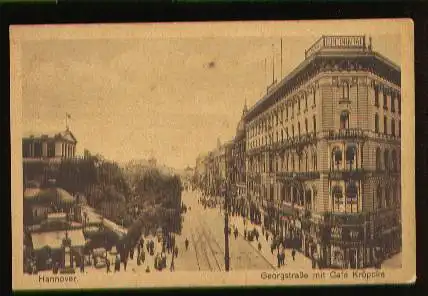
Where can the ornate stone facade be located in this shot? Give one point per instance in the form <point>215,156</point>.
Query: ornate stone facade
<point>323,156</point>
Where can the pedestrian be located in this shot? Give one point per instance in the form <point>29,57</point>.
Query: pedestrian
<point>108,265</point>
<point>82,264</point>
<point>186,243</point>
<point>117,264</point>
<point>293,254</point>
<point>267,236</point>
<point>131,253</point>
<point>283,257</point>
<point>125,262</point>
<point>236,232</point>
<point>172,267</point>
<point>148,269</point>
<point>257,234</point>
<point>245,233</point>
<point>278,256</point>
<point>260,246</point>
<point>143,256</point>
<point>272,247</point>
<point>176,251</point>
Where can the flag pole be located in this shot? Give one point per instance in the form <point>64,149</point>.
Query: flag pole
<point>281,59</point>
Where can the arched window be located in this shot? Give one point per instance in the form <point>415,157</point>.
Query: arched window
<point>344,119</point>
<point>282,135</point>
<point>394,160</point>
<point>376,123</point>
<point>336,158</point>
<point>345,90</point>
<point>298,129</point>
<point>298,105</point>
<point>292,131</point>
<point>351,155</point>
<point>337,198</point>
<point>352,197</point>
<point>386,159</point>
<point>306,125</point>
<point>300,162</point>
<point>378,159</point>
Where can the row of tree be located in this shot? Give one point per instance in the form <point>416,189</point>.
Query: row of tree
<point>145,194</point>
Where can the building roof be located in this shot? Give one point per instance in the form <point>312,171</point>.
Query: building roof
<point>54,239</point>
<point>373,61</point>
<point>66,135</point>
<point>48,195</point>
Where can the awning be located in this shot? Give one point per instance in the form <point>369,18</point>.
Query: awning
<point>54,239</point>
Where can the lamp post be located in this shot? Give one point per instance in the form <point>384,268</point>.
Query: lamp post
<point>226,226</point>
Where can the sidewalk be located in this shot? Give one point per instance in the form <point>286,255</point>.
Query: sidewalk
<point>301,262</point>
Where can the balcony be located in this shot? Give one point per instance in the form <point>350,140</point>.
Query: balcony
<point>345,134</point>
<point>356,174</point>
<point>298,141</point>
<point>301,176</point>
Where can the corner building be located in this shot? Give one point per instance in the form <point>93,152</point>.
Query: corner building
<point>323,155</point>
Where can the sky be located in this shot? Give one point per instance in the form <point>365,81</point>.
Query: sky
<point>170,98</point>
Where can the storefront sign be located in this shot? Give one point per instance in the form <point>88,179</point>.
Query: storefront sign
<point>355,42</point>
<point>336,232</point>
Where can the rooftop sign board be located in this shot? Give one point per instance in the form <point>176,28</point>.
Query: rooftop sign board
<point>337,42</point>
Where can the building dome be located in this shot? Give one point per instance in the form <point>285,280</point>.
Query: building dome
<point>240,129</point>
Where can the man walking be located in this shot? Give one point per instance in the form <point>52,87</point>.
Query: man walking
<point>293,254</point>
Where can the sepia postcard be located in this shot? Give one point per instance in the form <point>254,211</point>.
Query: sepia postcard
<point>213,154</point>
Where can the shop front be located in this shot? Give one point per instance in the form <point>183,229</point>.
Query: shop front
<point>346,247</point>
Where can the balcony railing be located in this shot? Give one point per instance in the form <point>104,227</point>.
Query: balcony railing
<point>298,175</point>
<point>345,134</point>
<point>348,174</point>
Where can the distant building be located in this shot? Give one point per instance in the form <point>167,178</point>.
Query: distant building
<point>57,145</point>
<point>43,153</point>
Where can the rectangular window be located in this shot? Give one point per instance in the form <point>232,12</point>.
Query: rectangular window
<point>393,127</point>
<point>306,101</point>
<point>392,104</point>
<point>376,97</point>
<point>399,128</point>
<point>314,97</point>
<point>399,105</point>
<point>385,101</point>
<point>315,124</point>
<point>376,123</point>
<point>51,149</point>
<point>385,125</point>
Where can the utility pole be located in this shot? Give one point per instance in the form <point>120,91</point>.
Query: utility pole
<point>226,227</point>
